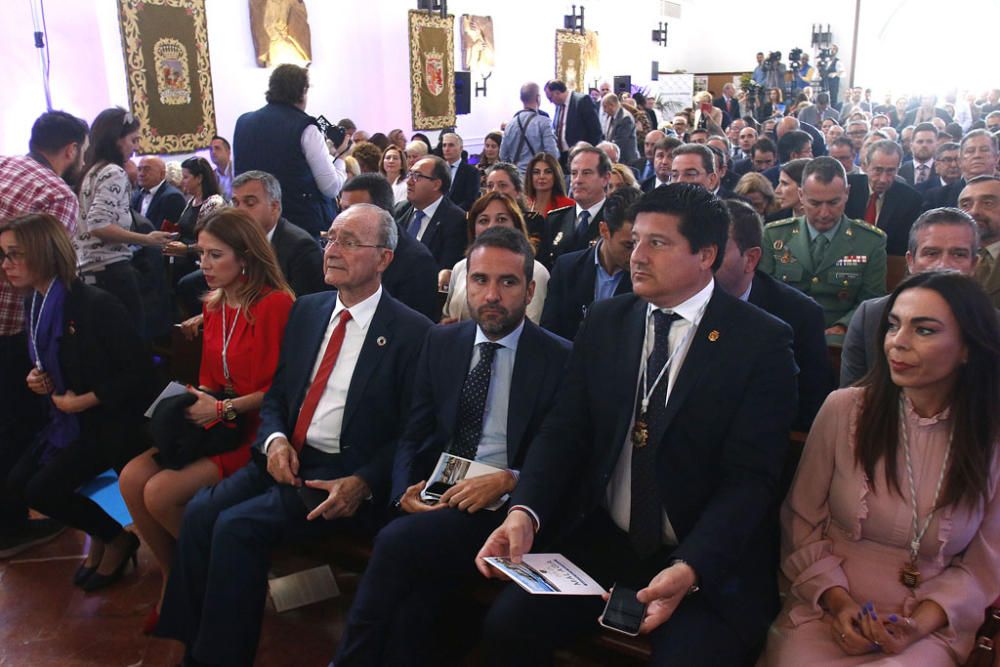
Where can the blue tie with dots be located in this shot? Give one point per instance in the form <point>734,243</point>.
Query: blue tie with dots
<point>472,403</point>
<point>414,227</point>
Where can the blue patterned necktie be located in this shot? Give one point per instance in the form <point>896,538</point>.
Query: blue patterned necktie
<point>414,227</point>
<point>472,404</point>
<point>582,223</point>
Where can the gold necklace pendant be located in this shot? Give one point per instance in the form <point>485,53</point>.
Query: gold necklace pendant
<point>640,433</point>
<point>909,575</point>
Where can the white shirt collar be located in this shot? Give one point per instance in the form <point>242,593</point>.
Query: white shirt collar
<point>361,313</point>
<point>693,308</point>
<point>592,210</point>
<point>152,190</point>
<point>432,208</point>
<point>509,341</point>
<point>270,238</point>
<point>746,295</point>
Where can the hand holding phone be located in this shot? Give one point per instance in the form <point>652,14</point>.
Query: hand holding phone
<point>623,612</point>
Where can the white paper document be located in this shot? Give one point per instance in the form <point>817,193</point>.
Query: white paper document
<point>172,389</point>
<point>450,470</point>
<point>547,574</point>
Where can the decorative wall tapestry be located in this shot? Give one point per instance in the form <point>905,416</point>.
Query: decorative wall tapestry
<point>478,53</point>
<point>169,73</point>
<point>591,55</point>
<point>570,48</point>
<point>280,30</point>
<point>432,70</point>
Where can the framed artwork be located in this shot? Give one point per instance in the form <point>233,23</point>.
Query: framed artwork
<point>432,70</point>
<point>570,66</point>
<point>591,55</point>
<point>280,30</point>
<point>169,73</point>
<point>478,51</point>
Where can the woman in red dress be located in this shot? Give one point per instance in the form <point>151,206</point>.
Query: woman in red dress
<point>545,185</point>
<point>245,315</point>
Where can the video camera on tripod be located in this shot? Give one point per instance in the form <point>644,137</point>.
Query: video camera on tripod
<point>795,58</point>
<point>773,59</point>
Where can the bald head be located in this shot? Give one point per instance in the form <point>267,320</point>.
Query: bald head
<point>787,124</point>
<point>610,103</point>
<point>152,171</point>
<point>649,143</point>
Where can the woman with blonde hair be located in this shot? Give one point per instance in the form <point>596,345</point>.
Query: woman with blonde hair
<point>621,177</point>
<point>393,167</point>
<point>758,191</point>
<point>706,115</point>
<point>245,313</point>
<point>494,209</point>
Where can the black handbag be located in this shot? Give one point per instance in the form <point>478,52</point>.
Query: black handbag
<point>181,442</point>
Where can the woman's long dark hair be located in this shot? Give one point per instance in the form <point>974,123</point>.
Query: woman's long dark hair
<point>199,166</point>
<point>109,126</point>
<point>975,402</point>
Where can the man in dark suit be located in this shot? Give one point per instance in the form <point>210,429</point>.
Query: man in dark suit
<point>575,119</point>
<point>977,156</point>
<point>156,199</point>
<point>663,157</point>
<point>880,199</point>
<point>728,103</point>
<point>920,169</point>
<point>946,170</point>
<point>763,156</point>
<point>583,277</point>
<point>646,169</point>
<point>464,190</point>
<point>411,277</point>
<point>666,485</point>
<point>423,559</point>
<point>739,277</point>
<point>939,241</point>
<point>330,421</point>
<point>620,129</point>
<point>792,145</point>
<point>576,227</point>
<point>429,216</point>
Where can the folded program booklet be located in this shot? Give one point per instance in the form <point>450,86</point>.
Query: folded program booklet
<point>450,470</point>
<point>172,389</point>
<point>547,574</point>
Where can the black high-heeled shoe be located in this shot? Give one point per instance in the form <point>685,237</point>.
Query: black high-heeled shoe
<point>97,581</point>
<point>82,574</point>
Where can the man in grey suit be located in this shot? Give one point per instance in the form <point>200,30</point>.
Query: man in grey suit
<point>620,129</point>
<point>940,239</point>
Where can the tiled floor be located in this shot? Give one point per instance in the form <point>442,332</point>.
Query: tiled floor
<point>47,622</point>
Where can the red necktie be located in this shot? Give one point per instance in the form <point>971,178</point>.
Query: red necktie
<point>870,216</point>
<point>318,385</point>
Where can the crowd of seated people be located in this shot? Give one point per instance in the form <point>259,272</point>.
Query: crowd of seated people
<point>630,345</point>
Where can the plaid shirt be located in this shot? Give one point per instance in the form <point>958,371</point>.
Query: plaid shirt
<point>28,185</point>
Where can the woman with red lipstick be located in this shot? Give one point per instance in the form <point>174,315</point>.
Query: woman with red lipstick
<point>245,314</point>
<point>891,531</point>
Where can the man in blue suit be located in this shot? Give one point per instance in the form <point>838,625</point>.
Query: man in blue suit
<point>329,422</point>
<point>425,557</point>
<point>156,199</point>
<point>658,468</point>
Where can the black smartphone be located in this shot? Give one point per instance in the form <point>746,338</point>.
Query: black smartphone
<point>436,490</point>
<point>623,613</point>
<point>312,498</point>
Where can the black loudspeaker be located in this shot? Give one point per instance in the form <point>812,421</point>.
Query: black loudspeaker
<point>655,76</point>
<point>623,84</point>
<point>463,93</point>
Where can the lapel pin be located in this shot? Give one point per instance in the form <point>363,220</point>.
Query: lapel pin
<point>713,335</point>
<point>779,244</point>
<point>381,341</point>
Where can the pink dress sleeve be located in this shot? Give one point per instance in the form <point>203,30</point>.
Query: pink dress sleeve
<point>807,554</point>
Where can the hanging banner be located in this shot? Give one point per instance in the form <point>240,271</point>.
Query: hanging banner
<point>169,73</point>
<point>570,54</point>
<point>432,70</point>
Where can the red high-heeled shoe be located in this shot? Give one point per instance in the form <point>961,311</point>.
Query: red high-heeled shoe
<point>151,621</point>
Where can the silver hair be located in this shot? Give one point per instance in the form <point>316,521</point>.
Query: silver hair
<point>388,235</point>
<point>270,184</point>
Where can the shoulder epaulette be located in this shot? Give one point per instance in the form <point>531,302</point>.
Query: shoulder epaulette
<point>781,223</point>
<point>561,208</point>
<point>867,226</point>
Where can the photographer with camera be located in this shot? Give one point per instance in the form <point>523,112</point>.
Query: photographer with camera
<point>282,139</point>
<point>830,70</point>
<point>805,74</point>
<point>774,71</point>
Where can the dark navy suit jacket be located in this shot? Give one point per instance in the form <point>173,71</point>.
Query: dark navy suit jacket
<point>538,371</point>
<point>901,206</point>
<point>721,450</point>
<point>167,204</point>
<point>378,398</point>
<point>571,291</point>
<point>446,235</point>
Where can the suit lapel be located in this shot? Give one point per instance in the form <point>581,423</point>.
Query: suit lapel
<point>378,341</point>
<point>432,226</point>
<point>626,374</point>
<point>585,286</point>
<point>525,383</point>
<point>312,339</point>
<point>454,377</point>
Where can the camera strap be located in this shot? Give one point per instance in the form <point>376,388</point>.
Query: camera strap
<point>524,135</point>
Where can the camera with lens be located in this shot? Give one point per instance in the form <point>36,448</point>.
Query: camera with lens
<point>335,133</point>
<point>773,59</point>
<point>795,57</point>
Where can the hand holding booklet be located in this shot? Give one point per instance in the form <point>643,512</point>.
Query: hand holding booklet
<point>547,574</point>
<point>450,470</point>
<point>172,389</point>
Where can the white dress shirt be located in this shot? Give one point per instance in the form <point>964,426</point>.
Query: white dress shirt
<point>330,175</point>
<point>619,489</point>
<point>147,198</point>
<point>593,210</point>
<point>493,440</point>
<point>428,215</point>
<point>324,429</point>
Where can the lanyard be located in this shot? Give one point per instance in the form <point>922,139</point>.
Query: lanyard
<point>918,531</point>
<point>226,337</point>
<point>35,323</point>
<point>647,393</point>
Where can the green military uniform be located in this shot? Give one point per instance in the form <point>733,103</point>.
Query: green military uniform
<point>851,270</point>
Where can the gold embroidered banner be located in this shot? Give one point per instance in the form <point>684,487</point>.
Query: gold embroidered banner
<point>570,53</point>
<point>432,70</point>
<point>169,73</point>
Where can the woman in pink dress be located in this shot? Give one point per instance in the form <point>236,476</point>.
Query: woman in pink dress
<point>891,531</point>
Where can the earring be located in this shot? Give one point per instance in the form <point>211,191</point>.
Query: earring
<point>244,271</point>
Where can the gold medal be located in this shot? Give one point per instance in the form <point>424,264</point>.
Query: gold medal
<point>640,433</point>
<point>909,575</point>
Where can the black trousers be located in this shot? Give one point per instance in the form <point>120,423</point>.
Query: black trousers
<point>525,629</point>
<point>214,601</point>
<point>21,415</point>
<point>51,487</point>
<point>120,279</point>
<point>419,564</point>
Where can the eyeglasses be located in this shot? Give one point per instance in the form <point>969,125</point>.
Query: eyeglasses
<point>14,256</point>
<point>414,175</point>
<point>346,244</point>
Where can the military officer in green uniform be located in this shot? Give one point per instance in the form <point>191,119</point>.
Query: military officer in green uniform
<point>837,261</point>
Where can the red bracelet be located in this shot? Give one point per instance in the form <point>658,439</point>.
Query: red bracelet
<point>218,409</point>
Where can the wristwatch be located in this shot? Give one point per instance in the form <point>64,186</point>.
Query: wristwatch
<point>694,587</point>
<point>228,410</point>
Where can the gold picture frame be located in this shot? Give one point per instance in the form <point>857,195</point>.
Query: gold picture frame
<point>432,70</point>
<point>169,73</point>
<point>570,59</point>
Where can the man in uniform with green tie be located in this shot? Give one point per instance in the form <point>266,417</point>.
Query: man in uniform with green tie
<point>981,199</point>
<point>837,261</point>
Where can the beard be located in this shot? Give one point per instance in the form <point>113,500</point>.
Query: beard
<point>73,173</point>
<point>497,321</point>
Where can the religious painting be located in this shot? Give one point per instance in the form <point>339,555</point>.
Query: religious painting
<point>432,70</point>
<point>169,73</point>
<point>592,55</point>
<point>280,30</point>
<point>570,66</point>
<point>477,44</point>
